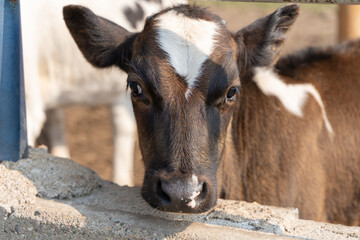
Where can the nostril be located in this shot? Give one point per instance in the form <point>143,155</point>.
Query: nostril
<point>162,196</point>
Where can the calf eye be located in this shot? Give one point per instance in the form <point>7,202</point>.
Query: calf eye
<point>230,96</point>
<point>136,90</point>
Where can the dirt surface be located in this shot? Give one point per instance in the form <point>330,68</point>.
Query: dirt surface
<point>89,135</point>
<point>89,131</point>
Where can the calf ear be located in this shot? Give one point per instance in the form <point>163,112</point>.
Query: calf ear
<point>102,42</point>
<point>260,43</point>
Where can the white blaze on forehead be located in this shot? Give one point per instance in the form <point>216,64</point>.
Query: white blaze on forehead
<point>188,43</point>
<point>292,96</point>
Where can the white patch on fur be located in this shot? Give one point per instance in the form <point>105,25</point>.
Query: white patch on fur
<point>194,179</point>
<point>192,202</point>
<point>188,43</point>
<point>292,96</point>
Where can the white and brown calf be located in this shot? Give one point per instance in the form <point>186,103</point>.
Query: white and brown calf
<point>218,115</point>
<point>56,75</point>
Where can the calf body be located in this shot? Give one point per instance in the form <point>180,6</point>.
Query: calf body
<point>309,161</point>
<point>218,115</point>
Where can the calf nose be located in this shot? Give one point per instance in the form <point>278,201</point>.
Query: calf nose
<point>180,194</point>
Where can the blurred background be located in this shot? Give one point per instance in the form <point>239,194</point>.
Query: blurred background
<point>89,129</point>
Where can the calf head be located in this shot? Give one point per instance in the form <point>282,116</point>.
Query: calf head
<point>184,71</point>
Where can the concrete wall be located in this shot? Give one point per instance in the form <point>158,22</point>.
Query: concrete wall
<point>45,197</point>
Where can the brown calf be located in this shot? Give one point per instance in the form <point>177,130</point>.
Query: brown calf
<point>288,136</point>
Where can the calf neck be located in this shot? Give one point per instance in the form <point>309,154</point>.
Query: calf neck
<point>202,134</point>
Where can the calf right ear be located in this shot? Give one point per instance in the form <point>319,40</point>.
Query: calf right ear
<point>260,43</point>
<point>102,42</point>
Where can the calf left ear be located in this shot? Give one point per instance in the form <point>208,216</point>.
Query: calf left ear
<point>102,42</point>
<point>260,43</point>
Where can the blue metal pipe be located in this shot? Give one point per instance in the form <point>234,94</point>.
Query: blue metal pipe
<point>13,139</point>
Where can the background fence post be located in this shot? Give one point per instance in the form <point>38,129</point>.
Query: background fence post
<point>349,22</point>
<point>13,138</point>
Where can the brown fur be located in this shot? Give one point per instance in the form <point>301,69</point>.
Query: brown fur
<point>294,162</point>
<point>246,147</point>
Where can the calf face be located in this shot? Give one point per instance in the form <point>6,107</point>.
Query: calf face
<point>184,72</point>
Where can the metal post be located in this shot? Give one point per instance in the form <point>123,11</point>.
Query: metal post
<point>13,139</point>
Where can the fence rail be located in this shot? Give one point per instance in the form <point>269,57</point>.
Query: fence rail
<point>295,1</point>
